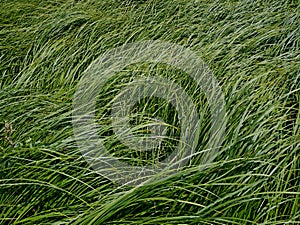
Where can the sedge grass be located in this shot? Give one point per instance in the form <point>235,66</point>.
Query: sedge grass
<point>252,47</point>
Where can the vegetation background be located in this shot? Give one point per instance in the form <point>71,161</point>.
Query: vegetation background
<point>252,47</point>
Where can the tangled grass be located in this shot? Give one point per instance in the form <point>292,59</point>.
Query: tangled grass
<point>252,47</point>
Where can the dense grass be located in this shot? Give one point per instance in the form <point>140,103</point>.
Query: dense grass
<point>253,49</point>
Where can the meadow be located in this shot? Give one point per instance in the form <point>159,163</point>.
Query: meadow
<point>252,48</point>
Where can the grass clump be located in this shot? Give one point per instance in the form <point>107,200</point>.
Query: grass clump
<point>252,48</point>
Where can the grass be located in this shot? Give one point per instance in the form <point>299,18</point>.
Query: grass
<point>252,48</point>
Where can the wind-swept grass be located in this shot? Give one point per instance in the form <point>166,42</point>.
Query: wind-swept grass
<point>252,48</point>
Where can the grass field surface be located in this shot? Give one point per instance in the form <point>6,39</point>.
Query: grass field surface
<point>252,48</point>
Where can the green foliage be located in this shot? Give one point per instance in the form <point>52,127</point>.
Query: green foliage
<point>253,49</point>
